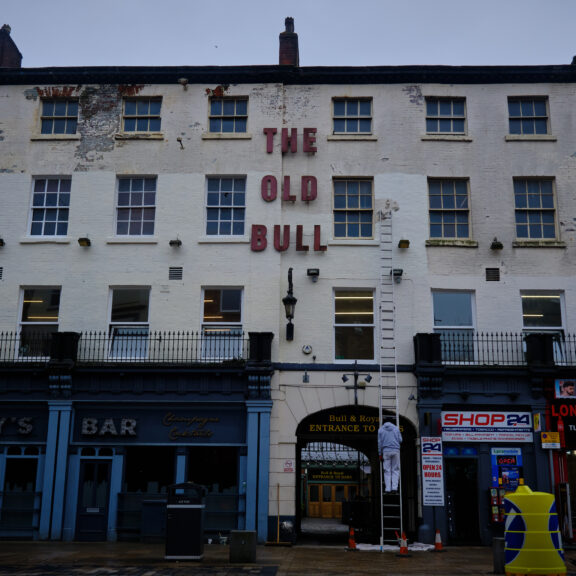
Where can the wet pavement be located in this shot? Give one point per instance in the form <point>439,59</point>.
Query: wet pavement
<point>138,559</point>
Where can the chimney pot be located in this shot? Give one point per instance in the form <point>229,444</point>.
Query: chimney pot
<point>10,56</point>
<point>289,55</point>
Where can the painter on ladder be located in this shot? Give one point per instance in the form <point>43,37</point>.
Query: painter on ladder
<point>389,441</point>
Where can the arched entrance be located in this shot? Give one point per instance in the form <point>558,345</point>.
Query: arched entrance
<point>337,459</point>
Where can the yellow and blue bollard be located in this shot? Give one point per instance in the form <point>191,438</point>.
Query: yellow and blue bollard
<point>533,543</point>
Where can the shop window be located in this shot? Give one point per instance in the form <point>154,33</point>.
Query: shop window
<point>19,503</point>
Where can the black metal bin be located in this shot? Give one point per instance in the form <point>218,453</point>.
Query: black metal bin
<point>185,522</point>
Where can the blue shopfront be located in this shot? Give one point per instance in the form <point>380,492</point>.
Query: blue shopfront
<point>89,452</point>
<point>122,459</point>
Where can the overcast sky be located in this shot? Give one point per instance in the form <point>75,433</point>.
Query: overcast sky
<point>330,32</point>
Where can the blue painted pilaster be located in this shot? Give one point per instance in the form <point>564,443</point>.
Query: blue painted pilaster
<point>257,468</point>
<point>53,487</point>
<point>116,476</point>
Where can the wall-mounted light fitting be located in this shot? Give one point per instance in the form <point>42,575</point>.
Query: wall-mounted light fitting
<point>314,273</point>
<point>176,243</point>
<point>404,243</point>
<point>289,302</point>
<point>397,273</point>
<point>2,243</point>
<point>496,244</point>
<point>357,385</point>
<point>305,377</point>
<point>183,82</point>
<point>84,241</point>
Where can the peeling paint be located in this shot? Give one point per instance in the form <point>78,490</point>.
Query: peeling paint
<point>58,91</point>
<point>128,90</point>
<point>414,94</point>
<point>100,113</point>
<point>217,92</point>
<point>31,94</point>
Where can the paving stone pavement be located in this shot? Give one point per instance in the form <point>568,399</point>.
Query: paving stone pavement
<point>126,559</point>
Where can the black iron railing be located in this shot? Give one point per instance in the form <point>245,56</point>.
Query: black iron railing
<point>129,345</point>
<point>471,348</point>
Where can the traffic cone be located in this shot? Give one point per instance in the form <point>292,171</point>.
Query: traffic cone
<point>403,553</point>
<point>351,539</point>
<point>438,542</point>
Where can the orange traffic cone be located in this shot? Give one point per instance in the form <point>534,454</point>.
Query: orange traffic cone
<point>438,542</point>
<point>403,553</point>
<point>351,539</point>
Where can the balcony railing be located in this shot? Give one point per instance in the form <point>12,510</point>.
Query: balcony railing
<point>470,348</point>
<point>139,347</point>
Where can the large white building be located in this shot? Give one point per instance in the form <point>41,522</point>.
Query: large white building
<point>155,218</point>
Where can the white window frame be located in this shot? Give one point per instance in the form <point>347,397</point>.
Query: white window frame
<point>557,332</point>
<point>128,340</point>
<point>464,354</point>
<point>442,117</point>
<point>44,324</point>
<point>526,117</point>
<point>222,207</point>
<point>133,206</point>
<point>349,210</point>
<point>363,293</point>
<point>235,117</point>
<point>69,118</point>
<point>141,116</point>
<point>46,207</point>
<point>444,211</point>
<point>349,118</point>
<point>539,210</point>
<point>212,328</point>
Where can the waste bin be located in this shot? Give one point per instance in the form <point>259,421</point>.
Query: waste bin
<point>185,522</point>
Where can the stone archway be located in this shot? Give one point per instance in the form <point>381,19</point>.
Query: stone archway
<point>356,427</point>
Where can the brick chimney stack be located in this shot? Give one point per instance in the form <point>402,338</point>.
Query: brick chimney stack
<point>289,55</point>
<point>10,56</point>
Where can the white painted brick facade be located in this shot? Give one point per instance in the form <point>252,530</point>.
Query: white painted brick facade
<point>398,158</point>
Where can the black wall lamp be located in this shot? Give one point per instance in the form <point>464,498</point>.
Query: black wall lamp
<point>356,375</point>
<point>289,302</point>
<point>2,243</point>
<point>496,244</point>
<point>396,274</point>
<point>175,243</point>
<point>84,241</point>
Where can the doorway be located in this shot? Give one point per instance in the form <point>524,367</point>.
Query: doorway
<point>93,500</point>
<point>462,501</point>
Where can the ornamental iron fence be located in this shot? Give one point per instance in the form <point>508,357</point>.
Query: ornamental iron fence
<point>471,348</point>
<point>127,345</point>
